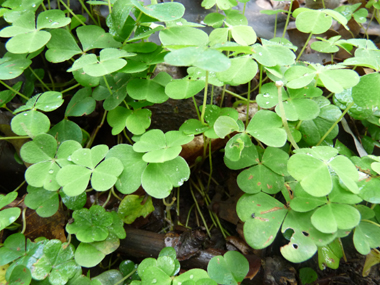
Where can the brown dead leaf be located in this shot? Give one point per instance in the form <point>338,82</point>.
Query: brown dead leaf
<point>51,227</point>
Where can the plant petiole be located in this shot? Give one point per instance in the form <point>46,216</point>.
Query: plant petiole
<point>71,88</point>
<point>204,99</point>
<point>287,18</point>
<point>39,79</point>
<point>14,90</point>
<point>304,46</point>
<point>279,85</point>
<point>126,277</point>
<point>14,138</point>
<point>23,220</point>
<point>199,210</point>
<point>18,187</point>
<point>91,140</point>
<point>335,123</point>
<point>72,13</point>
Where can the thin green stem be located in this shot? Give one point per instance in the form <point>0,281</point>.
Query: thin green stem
<point>126,277</point>
<point>335,123</point>
<point>248,99</point>
<point>287,18</point>
<point>88,12</point>
<point>71,88</point>
<point>177,208</point>
<point>210,161</point>
<point>188,216</point>
<point>344,254</point>
<point>304,46</point>
<point>18,187</point>
<point>275,26</point>
<point>14,138</point>
<point>245,5</point>
<point>196,108</point>
<point>213,179</point>
<point>6,108</point>
<point>279,85</point>
<point>260,77</point>
<point>108,86</point>
<point>223,93</point>
<point>369,23</point>
<point>199,210</point>
<point>115,195</point>
<point>91,140</point>
<point>212,95</point>
<point>134,29</point>
<point>127,137</point>
<point>72,13</point>
<point>14,90</point>
<point>109,7</point>
<point>371,222</point>
<point>323,4</point>
<point>108,198</point>
<point>23,221</point>
<point>204,99</point>
<point>39,79</point>
<point>238,96</point>
<point>49,6</point>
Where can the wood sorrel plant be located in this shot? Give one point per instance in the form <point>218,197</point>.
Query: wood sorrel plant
<point>298,179</point>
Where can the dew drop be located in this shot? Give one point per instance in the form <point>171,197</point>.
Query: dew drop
<point>69,158</point>
<point>266,95</point>
<point>154,281</point>
<point>191,276</point>
<point>267,103</point>
<point>25,114</point>
<point>34,5</point>
<point>55,23</point>
<point>51,171</point>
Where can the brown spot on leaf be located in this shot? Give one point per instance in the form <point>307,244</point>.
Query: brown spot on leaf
<point>271,210</point>
<point>269,186</point>
<point>268,240</point>
<point>261,219</point>
<point>250,177</point>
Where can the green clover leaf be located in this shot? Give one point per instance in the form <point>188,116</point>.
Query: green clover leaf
<point>57,264</point>
<point>131,208</point>
<point>26,38</point>
<point>90,224</point>
<point>261,177</point>
<point>42,151</point>
<point>13,65</point>
<point>8,216</point>
<point>311,168</point>
<point>87,165</point>
<point>266,126</point>
<point>161,147</point>
<point>263,216</point>
<point>228,269</point>
<point>45,202</point>
<point>158,179</point>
